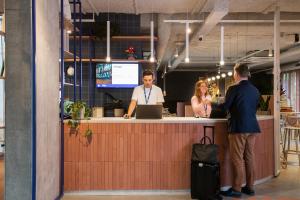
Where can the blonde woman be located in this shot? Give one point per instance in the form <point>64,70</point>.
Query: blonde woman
<point>201,101</point>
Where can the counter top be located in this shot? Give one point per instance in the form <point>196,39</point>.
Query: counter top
<point>164,120</point>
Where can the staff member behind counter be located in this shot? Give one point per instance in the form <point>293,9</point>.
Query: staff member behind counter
<point>201,101</point>
<point>145,94</point>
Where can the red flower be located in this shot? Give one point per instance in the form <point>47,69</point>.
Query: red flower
<point>130,50</point>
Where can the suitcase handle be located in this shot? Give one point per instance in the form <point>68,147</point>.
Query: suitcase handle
<point>203,140</point>
<point>212,127</point>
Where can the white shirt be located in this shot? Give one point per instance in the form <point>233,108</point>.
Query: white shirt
<point>147,95</point>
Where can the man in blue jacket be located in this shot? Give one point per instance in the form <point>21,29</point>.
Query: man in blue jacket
<point>241,101</point>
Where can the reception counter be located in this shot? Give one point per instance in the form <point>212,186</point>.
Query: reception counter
<point>131,154</point>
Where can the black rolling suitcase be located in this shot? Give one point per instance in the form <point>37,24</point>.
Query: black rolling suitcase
<point>205,169</point>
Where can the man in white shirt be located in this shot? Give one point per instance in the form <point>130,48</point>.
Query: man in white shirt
<point>145,94</point>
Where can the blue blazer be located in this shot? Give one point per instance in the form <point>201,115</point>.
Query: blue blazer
<point>241,101</point>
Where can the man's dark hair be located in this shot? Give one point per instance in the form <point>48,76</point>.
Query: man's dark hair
<point>147,73</point>
<point>242,70</point>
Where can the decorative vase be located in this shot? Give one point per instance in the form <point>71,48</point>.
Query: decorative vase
<point>82,112</point>
<point>130,57</point>
<point>118,112</point>
<point>263,112</point>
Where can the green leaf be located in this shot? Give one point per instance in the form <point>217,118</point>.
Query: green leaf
<point>88,132</point>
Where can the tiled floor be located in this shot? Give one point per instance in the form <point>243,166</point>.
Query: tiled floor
<point>285,187</point>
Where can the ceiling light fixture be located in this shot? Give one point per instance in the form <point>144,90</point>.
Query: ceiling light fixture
<point>209,79</point>
<point>108,59</point>
<point>69,31</point>
<point>152,41</point>
<point>270,54</point>
<point>176,53</point>
<point>213,78</point>
<point>152,58</point>
<point>229,73</point>
<point>187,59</point>
<point>223,75</point>
<point>218,77</point>
<point>222,46</point>
<point>189,30</point>
<point>169,64</point>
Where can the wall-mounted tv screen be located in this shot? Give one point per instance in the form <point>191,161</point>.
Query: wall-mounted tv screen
<point>117,75</point>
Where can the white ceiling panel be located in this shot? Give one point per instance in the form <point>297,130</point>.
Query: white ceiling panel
<point>240,37</point>
<point>167,6</point>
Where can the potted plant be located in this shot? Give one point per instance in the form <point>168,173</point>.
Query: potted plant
<point>78,111</point>
<point>263,108</point>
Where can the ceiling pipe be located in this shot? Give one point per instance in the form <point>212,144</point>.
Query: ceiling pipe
<point>95,10</point>
<point>221,9</point>
<point>289,56</point>
<point>198,7</point>
<point>183,21</point>
<point>164,35</point>
<point>248,56</point>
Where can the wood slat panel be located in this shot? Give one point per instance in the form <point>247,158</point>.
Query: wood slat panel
<point>148,156</point>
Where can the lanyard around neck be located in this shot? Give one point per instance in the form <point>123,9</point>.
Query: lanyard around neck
<point>204,106</point>
<point>147,98</point>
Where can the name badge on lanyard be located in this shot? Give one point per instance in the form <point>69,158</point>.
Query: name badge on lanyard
<point>147,98</point>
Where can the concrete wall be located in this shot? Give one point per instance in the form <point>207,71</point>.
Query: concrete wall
<point>18,88</point>
<point>1,6</point>
<point>18,100</point>
<point>47,73</point>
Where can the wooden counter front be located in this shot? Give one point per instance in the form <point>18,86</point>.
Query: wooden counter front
<point>149,156</point>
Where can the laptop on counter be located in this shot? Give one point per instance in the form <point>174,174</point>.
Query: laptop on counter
<point>148,112</point>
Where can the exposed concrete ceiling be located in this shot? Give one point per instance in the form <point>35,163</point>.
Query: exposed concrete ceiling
<point>240,37</point>
<point>181,6</point>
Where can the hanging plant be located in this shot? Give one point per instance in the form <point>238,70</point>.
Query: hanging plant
<point>79,111</point>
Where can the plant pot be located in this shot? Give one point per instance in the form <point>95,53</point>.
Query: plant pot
<point>131,58</point>
<point>118,112</point>
<point>82,112</point>
<point>98,112</point>
<point>263,112</point>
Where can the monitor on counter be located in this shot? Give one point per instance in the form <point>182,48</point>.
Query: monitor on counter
<point>117,75</point>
